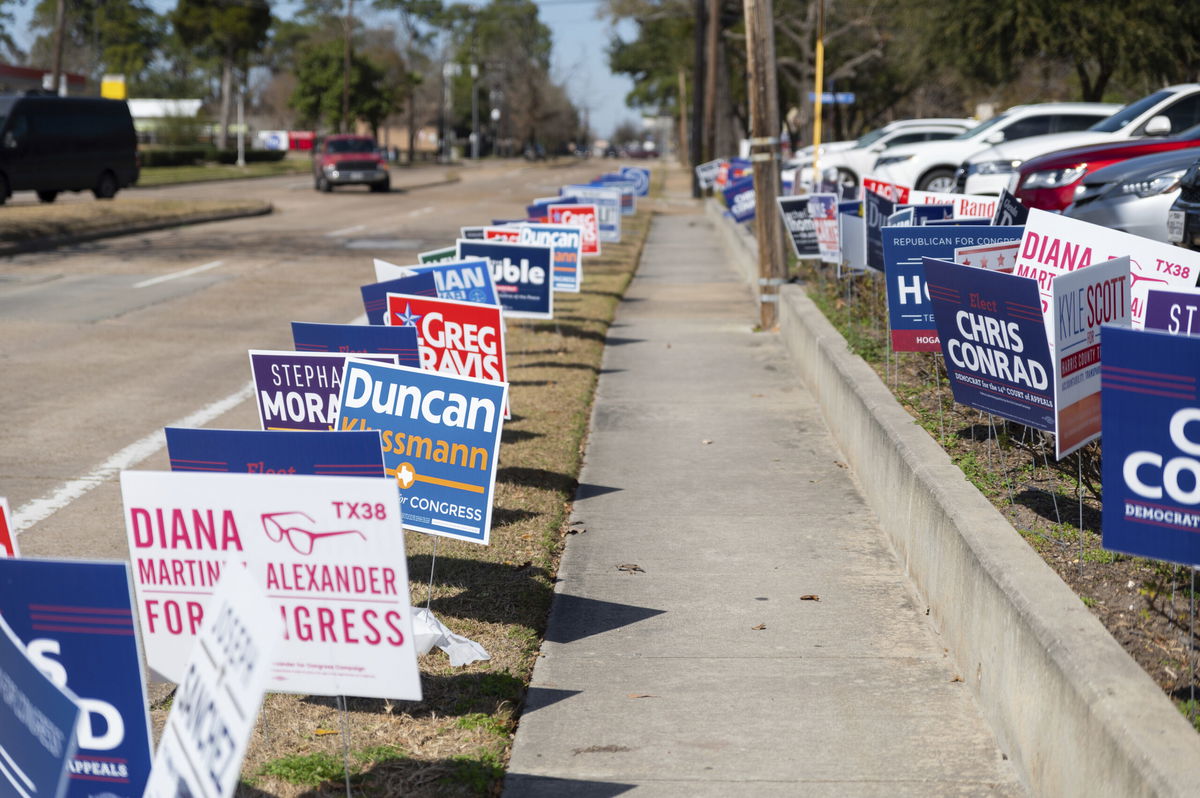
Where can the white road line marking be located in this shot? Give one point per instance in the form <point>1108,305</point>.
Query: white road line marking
<point>345,230</point>
<point>175,275</point>
<point>41,509</point>
<point>421,211</point>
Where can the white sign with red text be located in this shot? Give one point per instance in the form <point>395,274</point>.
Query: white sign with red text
<point>216,706</point>
<point>890,191</point>
<point>327,551</point>
<point>1054,245</point>
<point>1083,300</point>
<point>966,206</point>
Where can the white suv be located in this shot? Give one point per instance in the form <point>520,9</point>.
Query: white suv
<point>931,166</point>
<point>1167,111</point>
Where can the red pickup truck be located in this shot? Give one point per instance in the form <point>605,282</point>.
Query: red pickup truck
<point>346,159</point>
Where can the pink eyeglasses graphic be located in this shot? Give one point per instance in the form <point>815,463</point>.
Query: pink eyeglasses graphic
<point>283,525</point>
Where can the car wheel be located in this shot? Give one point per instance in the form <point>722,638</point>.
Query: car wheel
<point>941,180</point>
<point>847,178</point>
<point>4,192</point>
<point>324,185</point>
<point>47,196</point>
<point>380,188</point>
<point>106,186</point>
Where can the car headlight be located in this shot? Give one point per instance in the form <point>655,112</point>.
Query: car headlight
<point>1055,178</point>
<point>992,167</point>
<point>889,160</point>
<point>1153,186</point>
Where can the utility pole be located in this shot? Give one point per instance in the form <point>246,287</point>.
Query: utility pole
<point>694,150</point>
<point>683,135</point>
<point>345,126</point>
<point>711,61</point>
<point>60,25</point>
<point>764,148</point>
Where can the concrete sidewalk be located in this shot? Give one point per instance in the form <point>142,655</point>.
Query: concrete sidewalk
<point>732,621</point>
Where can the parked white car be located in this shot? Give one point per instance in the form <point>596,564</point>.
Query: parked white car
<point>931,166</point>
<point>1170,110</point>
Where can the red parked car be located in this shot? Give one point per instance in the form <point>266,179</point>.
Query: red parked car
<point>346,159</point>
<point>1050,181</point>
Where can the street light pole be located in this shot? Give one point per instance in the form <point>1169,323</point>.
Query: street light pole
<point>474,114</point>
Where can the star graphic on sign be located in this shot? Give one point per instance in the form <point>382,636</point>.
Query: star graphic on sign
<point>1000,260</point>
<point>966,262</point>
<point>983,264</point>
<point>407,318</point>
<point>405,475</point>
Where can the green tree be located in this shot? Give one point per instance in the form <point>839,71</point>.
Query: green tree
<point>8,45</point>
<point>419,19</point>
<point>318,95</point>
<point>102,36</point>
<point>228,32</point>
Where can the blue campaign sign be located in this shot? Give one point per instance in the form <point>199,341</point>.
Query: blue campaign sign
<point>626,187</point>
<point>923,214</point>
<point>994,340</point>
<point>1150,421</point>
<point>539,209</point>
<point>367,339</point>
<point>739,198</point>
<point>567,241</point>
<point>461,280</point>
<point>522,273</point>
<point>640,177</point>
<point>75,622</point>
<point>1176,311</point>
<point>331,454</point>
<point>608,208</point>
<point>910,314</point>
<point>375,295</point>
<point>440,435</point>
<point>1009,209</point>
<point>877,209</point>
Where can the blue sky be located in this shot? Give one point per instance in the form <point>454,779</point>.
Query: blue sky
<point>579,59</point>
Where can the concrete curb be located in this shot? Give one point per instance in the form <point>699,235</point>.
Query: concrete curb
<point>1073,710</point>
<point>52,242</point>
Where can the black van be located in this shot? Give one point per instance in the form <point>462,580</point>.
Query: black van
<point>50,144</point>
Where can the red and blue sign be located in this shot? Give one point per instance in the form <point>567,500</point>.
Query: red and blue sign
<point>375,295</point>
<point>360,339</point>
<point>739,198</point>
<point>331,454</point>
<point>75,619</point>
<point>1150,417</point>
<point>994,340</point>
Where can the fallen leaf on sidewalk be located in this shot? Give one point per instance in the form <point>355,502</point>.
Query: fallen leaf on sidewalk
<point>641,695</point>
<point>759,628</point>
<point>323,732</point>
<point>810,597</point>
<point>956,679</point>
<point>630,567</point>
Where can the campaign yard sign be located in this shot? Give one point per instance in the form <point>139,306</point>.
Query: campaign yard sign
<point>474,232</point>
<point>521,274</point>
<point>965,206</point>
<point>249,451</point>
<point>798,221</point>
<point>437,255</point>
<point>823,208</point>
<point>1151,465</point>
<point>357,339</point>
<point>910,313</point>
<point>37,725</point>
<point>565,239</point>
<point>582,216</point>
<point>852,234</point>
<point>994,341</point>
<point>539,209</point>
<point>467,280</point>
<point>440,436</point>
<point>739,199</point>
<point>455,337</point>
<point>607,202</point>
<point>8,535</point>
<point>1083,300</point>
<point>639,176</point>
<point>299,390</point>
<point>1054,244</point>
<point>1009,209</point>
<point>890,191</point>
<point>626,187</point>
<point>1176,311</point>
<point>924,214</point>
<point>374,295</point>
<point>876,209</point>
<point>216,706</point>
<point>706,173</point>
<point>999,257</point>
<point>75,619</point>
<point>328,551</point>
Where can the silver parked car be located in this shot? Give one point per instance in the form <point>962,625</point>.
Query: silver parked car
<point>1134,195</point>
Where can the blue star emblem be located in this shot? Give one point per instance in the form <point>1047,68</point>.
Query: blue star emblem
<point>407,318</point>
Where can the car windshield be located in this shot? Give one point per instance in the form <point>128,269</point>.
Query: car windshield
<point>352,145</point>
<point>867,139</point>
<point>981,128</point>
<point>1130,112</point>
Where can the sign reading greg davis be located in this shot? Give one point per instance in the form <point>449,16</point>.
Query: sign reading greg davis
<point>465,280</point>
<point>521,273</point>
<point>910,313</point>
<point>994,341</point>
<point>216,706</point>
<point>328,551</point>
<point>75,619</point>
<point>374,296</point>
<point>1151,467</point>
<point>441,436</point>
<point>37,725</point>
<point>299,390</point>
<point>607,202</point>
<point>251,451</point>
<point>566,240</point>
<point>455,337</point>
<point>1083,301</point>
<point>357,339</point>
<point>798,220</point>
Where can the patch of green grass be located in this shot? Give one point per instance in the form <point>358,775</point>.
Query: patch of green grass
<point>167,175</point>
<point>1088,601</point>
<point>379,753</point>
<point>480,720</point>
<point>477,773</point>
<point>1191,711</point>
<point>306,769</point>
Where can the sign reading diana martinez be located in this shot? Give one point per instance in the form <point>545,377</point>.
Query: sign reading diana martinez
<point>1150,407</point>
<point>440,436</point>
<point>994,341</point>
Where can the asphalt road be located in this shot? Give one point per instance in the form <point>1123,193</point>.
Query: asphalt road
<point>103,344</point>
